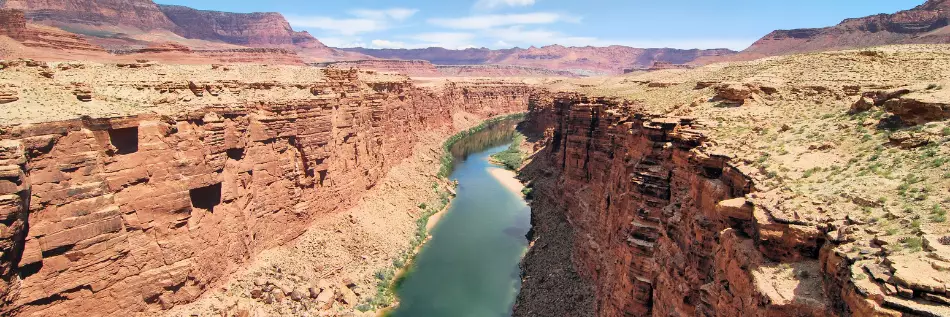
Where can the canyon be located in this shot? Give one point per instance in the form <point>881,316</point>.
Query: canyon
<point>646,206</point>
<point>159,160</point>
<point>674,192</point>
<point>145,211</point>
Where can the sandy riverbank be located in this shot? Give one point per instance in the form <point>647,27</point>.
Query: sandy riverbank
<point>507,178</point>
<point>434,218</point>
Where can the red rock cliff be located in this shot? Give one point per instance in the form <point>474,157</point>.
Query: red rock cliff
<point>142,14</point>
<point>649,223</point>
<point>138,214</point>
<point>252,29</point>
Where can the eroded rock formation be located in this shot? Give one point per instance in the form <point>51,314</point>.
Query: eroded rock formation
<point>141,14</point>
<point>16,27</point>
<point>109,216</point>
<point>253,29</point>
<point>654,224</point>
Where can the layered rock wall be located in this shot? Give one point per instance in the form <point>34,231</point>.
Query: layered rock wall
<point>660,226</point>
<point>143,14</point>
<point>38,36</point>
<point>138,214</point>
<point>252,29</point>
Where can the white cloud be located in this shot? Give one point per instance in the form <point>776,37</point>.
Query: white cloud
<point>491,4</point>
<point>342,41</point>
<point>387,44</point>
<point>363,21</point>
<point>521,36</point>
<point>436,37</point>
<point>340,26</point>
<point>449,40</point>
<point>478,22</point>
<point>398,14</point>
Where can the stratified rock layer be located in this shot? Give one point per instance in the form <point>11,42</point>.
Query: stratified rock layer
<point>252,29</point>
<point>142,14</point>
<point>138,214</point>
<point>656,225</point>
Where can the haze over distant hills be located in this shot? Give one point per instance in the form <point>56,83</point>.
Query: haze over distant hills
<point>186,34</point>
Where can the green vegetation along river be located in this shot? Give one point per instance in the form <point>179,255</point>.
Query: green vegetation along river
<point>470,266</point>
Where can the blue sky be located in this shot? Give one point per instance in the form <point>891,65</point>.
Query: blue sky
<point>496,24</point>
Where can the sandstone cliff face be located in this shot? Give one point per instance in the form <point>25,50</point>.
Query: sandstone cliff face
<point>138,214</point>
<point>658,226</point>
<point>39,36</point>
<point>142,14</point>
<point>252,29</point>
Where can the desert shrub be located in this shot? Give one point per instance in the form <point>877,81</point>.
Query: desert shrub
<point>511,158</point>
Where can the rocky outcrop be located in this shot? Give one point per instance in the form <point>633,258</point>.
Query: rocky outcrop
<point>38,36</point>
<point>656,224</point>
<point>912,105</point>
<point>140,14</point>
<point>411,68</point>
<point>149,211</point>
<point>14,24</point>
<point>257,29</point>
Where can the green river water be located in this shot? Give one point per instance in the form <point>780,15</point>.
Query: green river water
<point>470,266</point>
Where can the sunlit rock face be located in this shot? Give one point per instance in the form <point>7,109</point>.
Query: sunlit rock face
<point>146,212</point>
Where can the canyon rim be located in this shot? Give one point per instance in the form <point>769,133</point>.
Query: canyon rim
<point>163,160</point>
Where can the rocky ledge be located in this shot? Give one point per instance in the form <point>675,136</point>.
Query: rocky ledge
<point>647,221</point>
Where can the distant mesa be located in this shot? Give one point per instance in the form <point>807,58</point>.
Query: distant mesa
<point>925,24</point>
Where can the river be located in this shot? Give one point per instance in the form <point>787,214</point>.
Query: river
<point>470,266</point>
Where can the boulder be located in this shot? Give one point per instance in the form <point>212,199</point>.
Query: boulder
<point>277,295</point>
<point>297,295</point>
<point>734,92</point>
<point>861,105</point>
<point>917,109</point>
<point>326,296</point>
<point>348,296</point>
<point>195,89</point>
<point>907,140</point>
<point>737,208</point>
